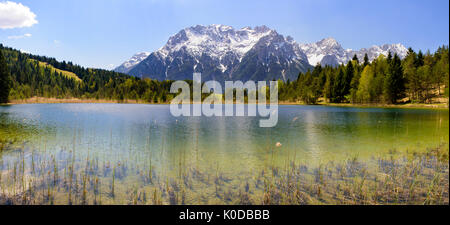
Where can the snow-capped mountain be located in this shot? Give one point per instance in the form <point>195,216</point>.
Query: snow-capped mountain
<point>329,52</point>
<point>375,51</point>
<point>322,50</point>
<point>131,63</point>
<point>222,53</point>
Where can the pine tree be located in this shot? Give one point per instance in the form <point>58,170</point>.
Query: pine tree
<point>419,60</point>
<point>366,60</point>
<point>329,90</point>
<point>389,58</point>
<point>394,84</point>
<point>354,86</point>
<point>349,73</point>
<point>339,87</point>
<point>5,79</point>
<point>410,73</point>
<point>355,58</point>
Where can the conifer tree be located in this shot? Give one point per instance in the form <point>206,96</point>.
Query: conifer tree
<point>410,73</point>
<point>349,73</point>
<point>394,86</point>
<point>339,88</point>
<point>419,60</point>
<point>389,58</point>
<point>5,79</point>
<point>355,58</point>
<point>366,60</point>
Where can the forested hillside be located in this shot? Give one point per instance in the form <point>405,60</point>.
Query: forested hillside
<point>419,78</point>
<point>46,77</point>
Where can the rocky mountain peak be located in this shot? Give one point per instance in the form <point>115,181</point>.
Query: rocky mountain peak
<point>221,52</point>
<point>133,61</point>
<point>218,51</point>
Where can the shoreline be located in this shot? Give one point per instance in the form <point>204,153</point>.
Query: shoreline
<point>42,100</point>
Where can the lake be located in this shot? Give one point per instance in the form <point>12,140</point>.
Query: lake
<point>128,149</point>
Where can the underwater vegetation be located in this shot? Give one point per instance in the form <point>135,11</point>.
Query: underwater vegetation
<point>107,154</point>
<point>64,178</point>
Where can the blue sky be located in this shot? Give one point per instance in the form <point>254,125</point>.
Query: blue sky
<point>103,33</point>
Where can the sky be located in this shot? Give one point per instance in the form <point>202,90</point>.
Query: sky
<point>105,33</point>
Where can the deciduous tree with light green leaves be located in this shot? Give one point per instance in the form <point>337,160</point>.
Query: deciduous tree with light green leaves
<point>364,94</point>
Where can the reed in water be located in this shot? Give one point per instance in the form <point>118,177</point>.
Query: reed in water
<point>396,178</point>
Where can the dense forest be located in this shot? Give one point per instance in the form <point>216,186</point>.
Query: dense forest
<point>418,78</point>
<point>45,77</point>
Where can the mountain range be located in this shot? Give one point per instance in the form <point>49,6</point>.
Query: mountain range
<point>329,52</point>
<point>222,53</point>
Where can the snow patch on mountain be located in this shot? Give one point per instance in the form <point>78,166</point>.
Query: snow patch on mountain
<point>217,50</point>
<point>132,62</point>
<point>329,52</point>
<point>215,41</point>
<point>221,52</point>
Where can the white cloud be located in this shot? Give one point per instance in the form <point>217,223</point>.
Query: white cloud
<point>15,15</point>
<point>20,36</point>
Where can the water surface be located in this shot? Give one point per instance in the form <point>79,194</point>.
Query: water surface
<point>148,136</point>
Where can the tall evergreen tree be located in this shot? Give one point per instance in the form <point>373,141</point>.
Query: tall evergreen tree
<point>394,84</point>
<point>354,86</point>
<point>355,58</point>
<point>366,60</point>
<point>420,59</point>
<point>5,79</point>
<point>329,88</point>
<point>349,73</point>
<point>389,57</point>
<point>410,73</point>
<point>340,85</point>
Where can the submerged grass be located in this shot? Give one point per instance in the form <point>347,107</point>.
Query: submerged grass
<point>36,177</point>
<point>5,144</point>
